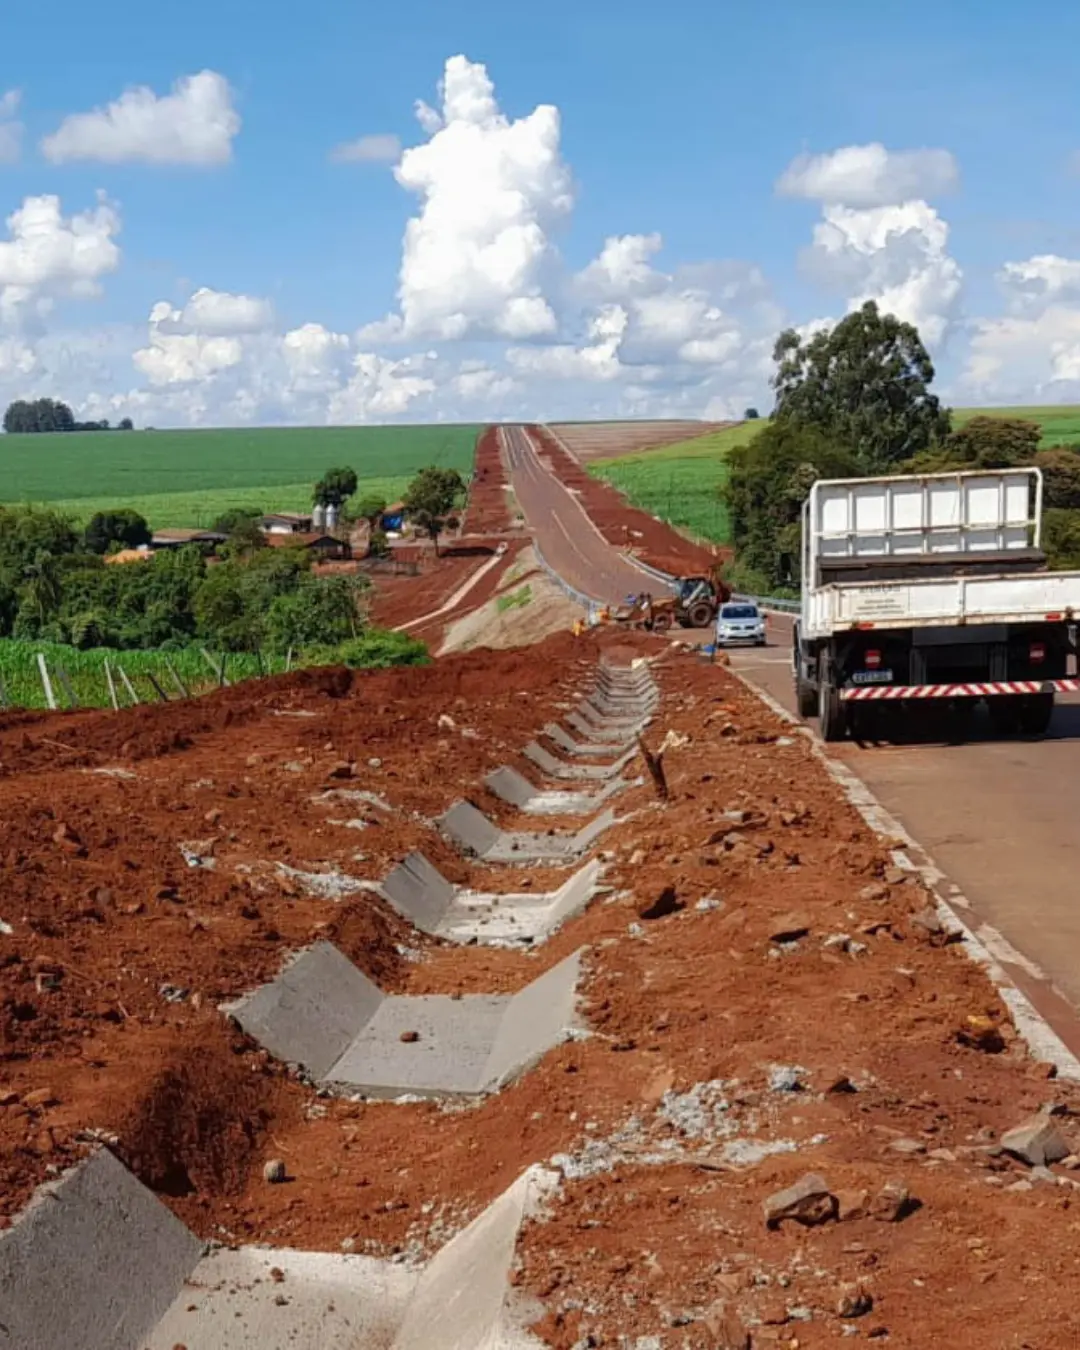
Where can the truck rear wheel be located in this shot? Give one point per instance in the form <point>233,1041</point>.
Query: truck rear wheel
<point>1036,711</point>
<point>700,615</point>
<point>831,710</point>
<point>806,697</point>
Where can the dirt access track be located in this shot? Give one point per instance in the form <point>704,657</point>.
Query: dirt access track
<point>764,996</point>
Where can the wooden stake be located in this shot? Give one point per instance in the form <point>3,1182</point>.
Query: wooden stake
<point>157,687</point>
<point>127,684</point>
<point>181,686</point>
<point>112,687</point>
<point>655,766</point>
<point>46,683</point>
<point>73,702</point>
<point>219,671</point>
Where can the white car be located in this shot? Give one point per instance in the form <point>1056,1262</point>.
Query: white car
<point>740,621</point>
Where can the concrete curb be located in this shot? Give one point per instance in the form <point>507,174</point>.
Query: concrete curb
<point>325,1015</point>
<point>984,945</point>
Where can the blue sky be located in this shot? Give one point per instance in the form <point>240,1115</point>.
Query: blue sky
<point>676,121</point>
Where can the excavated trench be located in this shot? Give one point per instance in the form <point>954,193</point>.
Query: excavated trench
<point>332,1076</point>
<point>98,1260</point>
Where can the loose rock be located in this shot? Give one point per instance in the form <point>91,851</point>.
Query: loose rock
<point>1038,1142</point>
<point>274,1172</point>
<point>809,1201</point>
<point>892,1202</point>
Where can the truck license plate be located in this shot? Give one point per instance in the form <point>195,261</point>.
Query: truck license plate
<point>872,677</point>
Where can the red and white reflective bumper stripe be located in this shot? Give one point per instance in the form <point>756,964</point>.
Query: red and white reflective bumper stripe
<point>896,691</point>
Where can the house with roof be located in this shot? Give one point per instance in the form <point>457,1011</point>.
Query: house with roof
<point>324,546</point>
<point>286,522</point>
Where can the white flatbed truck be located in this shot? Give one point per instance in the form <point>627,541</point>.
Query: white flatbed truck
<point>932,591</point>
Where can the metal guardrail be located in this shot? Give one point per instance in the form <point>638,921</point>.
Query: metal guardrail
<point>771,602</point>
<point>587,602</point>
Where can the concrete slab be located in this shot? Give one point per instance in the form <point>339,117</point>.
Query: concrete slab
<point>427,1045</point>
<point>448,1058</point>
<point>313,1011</point>
<point>93,1262</point>
<point>599,743</point>
<point>615,717</point>
<point>591,731</point>
<point>423,896</point>
<point>515,788</point>
<point>97,1262</point>
<point>559,768</point>
<point>475,834</point>
<point>464,1300</point>
<point>328,1302</point>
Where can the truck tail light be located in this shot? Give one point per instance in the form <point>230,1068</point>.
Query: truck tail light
<point>872,660</point>
<point>1037,653</point>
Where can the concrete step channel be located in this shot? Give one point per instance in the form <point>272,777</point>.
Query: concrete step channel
<point>97,1261</point>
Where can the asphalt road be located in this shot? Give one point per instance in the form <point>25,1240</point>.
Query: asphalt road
<point>999,817</point>
<point>569,541</point>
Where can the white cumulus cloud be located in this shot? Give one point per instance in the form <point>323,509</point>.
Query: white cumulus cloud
<point>869,175</point>
<point>377,149</point>
<point>215,312</point>
<point>1035,283</point>
<point>195,124</point>
<point>477,255</point>
<point>1032,352</point>
<point>896,255</point>
<point>48,256</point>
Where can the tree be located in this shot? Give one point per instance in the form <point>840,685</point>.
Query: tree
<point>334,488</point>
<point>865,383</point>
<point>430,499</point>
<point>1061,477</point>
<point>378,544</point>
<point>321,611</point>
<point>768,481</point>
<point>126,424</point>
<point>122,526</point>
<point>370,507</point>
<point>1061,539</point>
<point>993,443</point>
<point>41,591</point>
<point>243,526</point>
<point>751,415</point>
<point>44,414</point>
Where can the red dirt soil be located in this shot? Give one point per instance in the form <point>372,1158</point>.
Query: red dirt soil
<point>487,511</point>
<point>907,1067</point>
<point>653,541</point>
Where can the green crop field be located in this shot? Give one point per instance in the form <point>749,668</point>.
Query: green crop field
<point>21,685</point>
<point>186,478</point>
<point>679,482</point>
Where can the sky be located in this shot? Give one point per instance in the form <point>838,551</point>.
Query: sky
<point>240,213</point>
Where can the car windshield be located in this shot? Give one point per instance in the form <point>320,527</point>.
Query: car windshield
<point>739,612</point>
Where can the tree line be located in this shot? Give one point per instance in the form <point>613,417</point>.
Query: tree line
<point>25,416</point>
<point>856,401</point>
<point>56,585</point>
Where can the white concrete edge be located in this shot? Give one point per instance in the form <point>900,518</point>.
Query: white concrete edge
<point>983,943</point>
